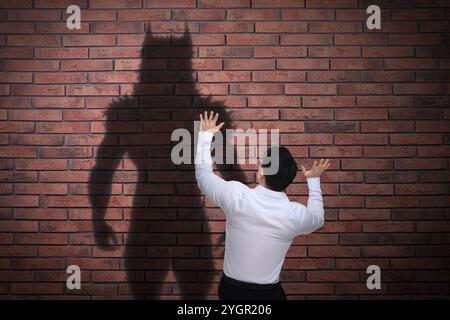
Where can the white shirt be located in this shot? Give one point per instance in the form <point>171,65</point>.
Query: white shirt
<point>260,223</point>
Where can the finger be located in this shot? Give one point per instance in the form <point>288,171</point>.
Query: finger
<point>211,114</point>
<point>216,117</point>
<point>315,164</point>
<point>205,115</point>
<point>220,125</point>
<point>303,170</point>
<point>201,122</point>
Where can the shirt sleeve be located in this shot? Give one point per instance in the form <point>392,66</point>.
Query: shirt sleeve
<point>216,189</point>
<point>312,216</point>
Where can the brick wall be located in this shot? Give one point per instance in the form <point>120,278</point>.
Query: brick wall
<point>86,117</point>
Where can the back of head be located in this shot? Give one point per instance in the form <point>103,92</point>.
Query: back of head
<point>287,169</point>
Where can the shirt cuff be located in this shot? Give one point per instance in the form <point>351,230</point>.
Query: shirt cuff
<point>313,183</point>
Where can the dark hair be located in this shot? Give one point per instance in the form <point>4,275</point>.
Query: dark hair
<point>287,169</point>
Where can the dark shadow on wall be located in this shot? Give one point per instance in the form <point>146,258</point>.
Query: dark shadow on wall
<point>167,213</point>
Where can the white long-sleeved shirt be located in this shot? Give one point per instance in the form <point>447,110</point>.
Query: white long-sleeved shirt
<point>260,223</point>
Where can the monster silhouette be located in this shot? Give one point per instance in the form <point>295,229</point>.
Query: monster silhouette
<point>167,206</point>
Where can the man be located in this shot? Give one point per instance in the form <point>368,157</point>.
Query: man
<point>261,222</point>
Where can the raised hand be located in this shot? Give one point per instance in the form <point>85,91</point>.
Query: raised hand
<point>317,168</point>
<point>208,123</point>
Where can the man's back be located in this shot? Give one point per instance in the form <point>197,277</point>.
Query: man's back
<point>261,225</point>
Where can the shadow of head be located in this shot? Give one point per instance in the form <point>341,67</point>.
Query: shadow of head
<point>166,87</point>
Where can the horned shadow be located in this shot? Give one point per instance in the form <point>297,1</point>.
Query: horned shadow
<point>168,229</point>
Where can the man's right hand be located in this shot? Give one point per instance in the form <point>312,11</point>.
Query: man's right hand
<point>317,168</point>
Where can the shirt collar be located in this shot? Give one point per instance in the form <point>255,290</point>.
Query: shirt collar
<point>270,193</point>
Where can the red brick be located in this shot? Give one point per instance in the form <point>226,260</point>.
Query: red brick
<point>356,64</point>
<point>331,126</point>
<point>34,40</point>
<point>390,202</point>
<point>377,52</point>
<point>413,63</point>
<point>41,188</point>
<point>37,90</point>
<point>383,102</point>
<point>15,52</point>
<point>81,90</point>
<point>36,140</point>
<point>416,164</point>
<point>60,28</point>
<point>363,139</point>
<point>18,127</point>
<point>361,114</point>
<point>415,139</point>
<point>325,102</point>
<point>48,127</point>
<point>86,65</point>
<point>31,65</point>
<point>117,27</point>
<point>335,4</point>
<point>334,27</point>
<point>415,39</point>
<point>386,251</point>
<point>117,4</point>
<point>416,88</point>
<point>305,39</point>
<point>390,151</point>
<point>61,53</point>
<point>34,15</point>
<point>151,14</point>
<point>89,40</point>
<point>50,115</point>
<point>252,39</point>
<point>367,164</point>
<point>310,89</point>
<point>307,14</point>
<point>357,39</point>
<point>368,189</point>
<point>305,139</point>
<point>223,76</point>
<point>274,101</point>
<point>302,64</point>
<point>387,126</point>
<point>306,114</point>
<point>15,77</point>
<point>391,76</point>
<point>18,152</point>
<point>365,88</point>
<point>213,4</point>
<point>256,89</point>
<point>65,152</point>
